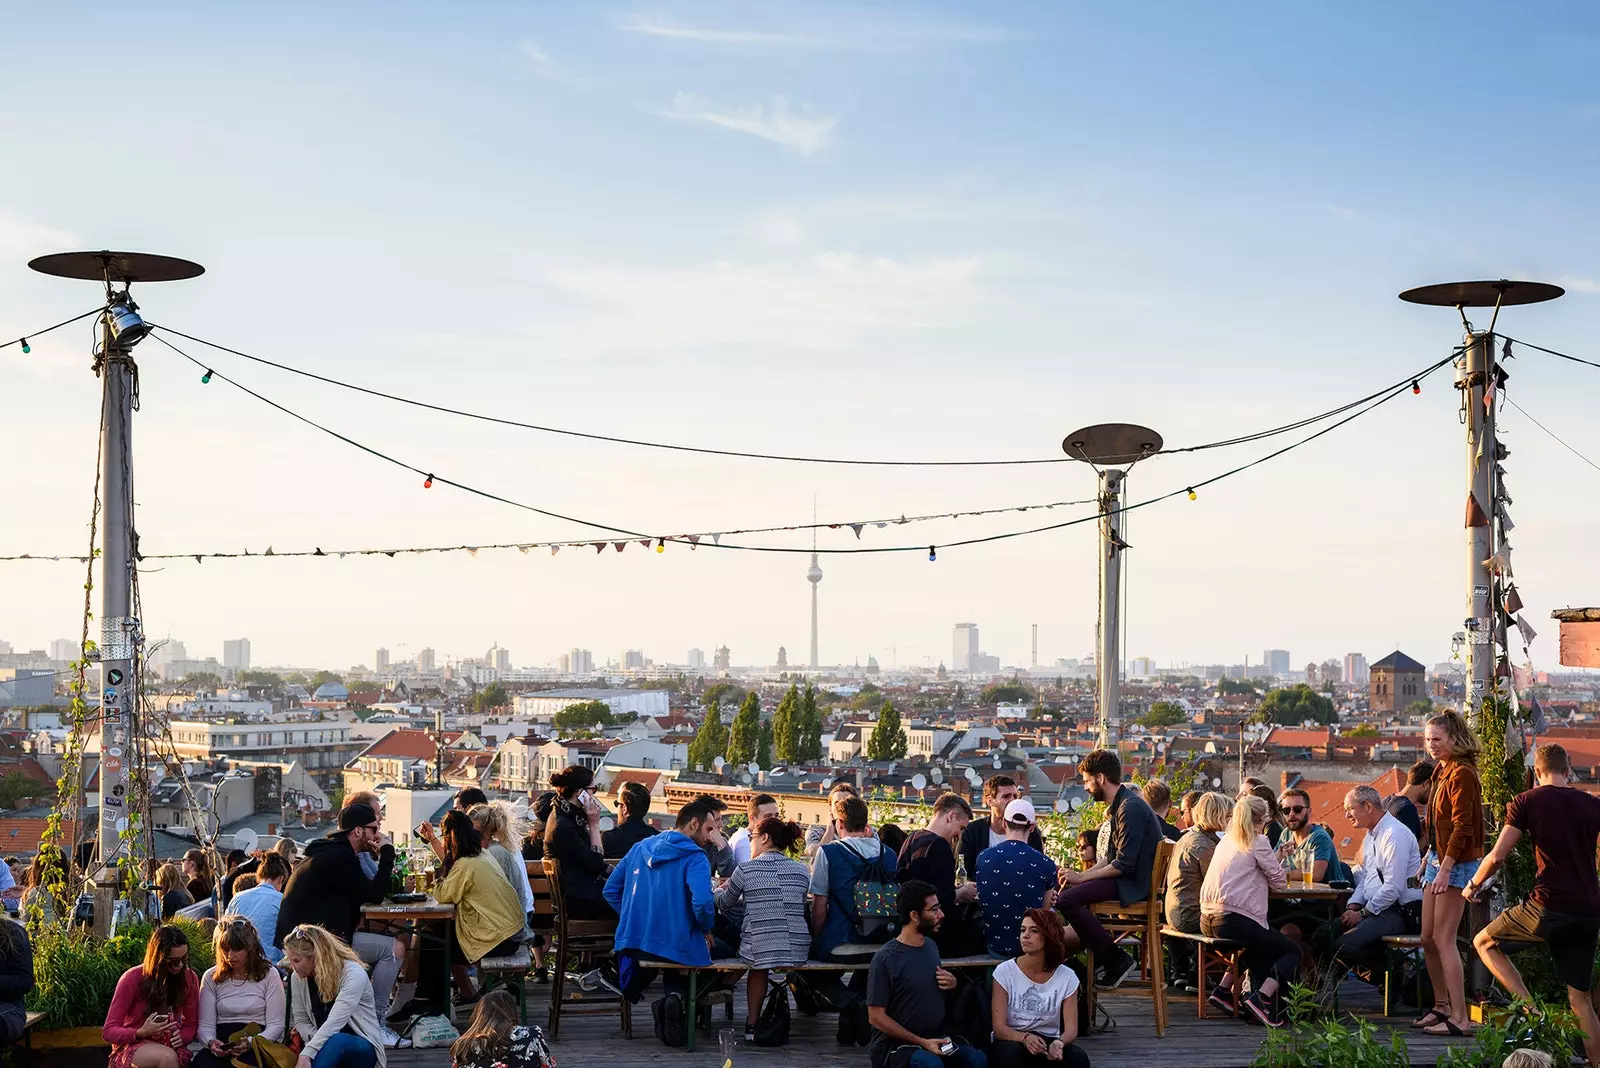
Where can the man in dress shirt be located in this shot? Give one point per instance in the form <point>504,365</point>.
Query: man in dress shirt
<point>1389,861</point>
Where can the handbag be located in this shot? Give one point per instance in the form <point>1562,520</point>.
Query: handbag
<point>429,1032</point>
<point>772,1026</point>
<point>261,1052</point>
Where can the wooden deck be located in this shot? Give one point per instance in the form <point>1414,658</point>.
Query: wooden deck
<point>1190,1042</point>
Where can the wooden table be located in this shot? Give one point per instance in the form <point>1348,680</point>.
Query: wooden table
<point>429,911</point>
<point>1315,892</point>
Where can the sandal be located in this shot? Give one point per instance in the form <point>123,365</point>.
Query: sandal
<point>1431,1018</point>
<point>1449,1028</point>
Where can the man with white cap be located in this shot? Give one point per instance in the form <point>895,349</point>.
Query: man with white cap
<point>1013,877</point>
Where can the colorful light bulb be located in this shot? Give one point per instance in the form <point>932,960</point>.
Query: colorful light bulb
<point>26,348</point>
<point>1193,496</point>
<point>933,553</point>
<point>427,483</point>
<point>661,546</point>
<point>1416,387</point>
<point>205,379</point>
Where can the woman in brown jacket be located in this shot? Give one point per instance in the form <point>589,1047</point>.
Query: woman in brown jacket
<point>1455,849</point>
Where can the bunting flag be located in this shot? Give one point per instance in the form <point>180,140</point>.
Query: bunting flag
<point>1536,721</point>
<point>1526,629</point>
<point>857,528</point>
<point>1475,515</point>
<point>1513,600</point>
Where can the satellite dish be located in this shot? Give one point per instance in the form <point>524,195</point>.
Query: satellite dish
<point>997,763</point>
<point>1215,783</point>
<point>1062,804</point>
<point>718,763</point>
<point>937,774</point>
<point>245,839</point>
<point>746,778</point>
<point>973,776</point>
<point>919,781</point>
<point>755,769</point>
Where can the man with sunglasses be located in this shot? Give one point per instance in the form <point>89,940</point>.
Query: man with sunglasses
<point>1306,846</point>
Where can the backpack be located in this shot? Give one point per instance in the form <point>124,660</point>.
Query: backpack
<point>872,907</point>
<point>772,1026</point>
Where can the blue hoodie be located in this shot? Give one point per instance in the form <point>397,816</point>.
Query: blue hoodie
<point>662,893</point>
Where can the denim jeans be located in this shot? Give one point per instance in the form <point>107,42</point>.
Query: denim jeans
<point>345,1051</point>
<point>963,1057</point>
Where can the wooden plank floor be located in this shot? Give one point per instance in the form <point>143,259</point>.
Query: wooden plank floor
<point>1189,1042</point>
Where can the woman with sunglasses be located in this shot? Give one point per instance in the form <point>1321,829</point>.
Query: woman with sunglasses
<point>243,988</point>
<point>155,1011</point>
<point>330,1002</point>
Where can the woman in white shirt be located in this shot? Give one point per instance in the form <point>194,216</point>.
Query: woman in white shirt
<point>1035,1000</point>
<point>243,988</point>
<point>1233,905</point>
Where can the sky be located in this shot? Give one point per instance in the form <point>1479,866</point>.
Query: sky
<point>882,231</point>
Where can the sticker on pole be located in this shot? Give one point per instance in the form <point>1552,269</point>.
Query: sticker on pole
<point>114,677</point>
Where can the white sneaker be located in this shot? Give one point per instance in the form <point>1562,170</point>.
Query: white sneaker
<point>394,1041</point>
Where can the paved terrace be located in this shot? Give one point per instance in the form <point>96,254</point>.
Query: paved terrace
<point>1189,1042</point>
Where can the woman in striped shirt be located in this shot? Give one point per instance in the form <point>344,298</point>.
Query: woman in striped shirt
<point>772,887</point>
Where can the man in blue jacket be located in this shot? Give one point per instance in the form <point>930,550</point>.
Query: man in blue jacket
<point>662,893</point>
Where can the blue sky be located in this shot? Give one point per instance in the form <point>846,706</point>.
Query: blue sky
<point>875,230</point>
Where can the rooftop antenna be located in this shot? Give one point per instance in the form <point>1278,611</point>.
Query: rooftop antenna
<point>1111,448</point>
<point>1478,378</point>
<point>121,635</point>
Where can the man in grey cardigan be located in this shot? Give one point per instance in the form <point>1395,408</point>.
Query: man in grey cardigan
<point>1121,875</point>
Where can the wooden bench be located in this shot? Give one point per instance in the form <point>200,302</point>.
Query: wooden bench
<point>1213,953</point>
<point>510,971</point>
<point>739,967</point>
<point>1395,949</point>
<point>25,1042</point>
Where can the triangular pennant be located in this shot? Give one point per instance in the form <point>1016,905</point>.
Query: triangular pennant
<point>645,542</point>
<point>554,549</point>
<point>1522,677</point>
<point>389,553</point>
<point>472,551</point>
<point>694,539</point>
<point>620,545</point>
<point>197,559</point>
<point>1475,515</point>
<point>1536,720</point>
<point>857,528</point>
<point>1505,518</point>
<point>1513,600</point>
<point>1526,630</point>
<point>269,552</point>
<point>1500,631</point>
<point>523,549</point>
<point>716,539</point>
<point>319,552</point>
<point>1513,737</point>
<point>599,546</point>
<point>882,525</point>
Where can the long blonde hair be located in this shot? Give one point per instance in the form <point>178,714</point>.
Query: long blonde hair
<point>1463,743</point>
<point>1211,811</point>
<point>328,953</point>
<point>169,878</point>
<point>1249,812</point>
<point>496,823</point>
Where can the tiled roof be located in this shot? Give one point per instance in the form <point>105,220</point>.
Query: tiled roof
<point>647,779</point>
<point>1327,808</point>
<point>21,834</point>
<point>406,744</point>
<point>1397,661</point>
<point>1297,738</point>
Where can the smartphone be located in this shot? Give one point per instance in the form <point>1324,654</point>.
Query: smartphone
<point>583,798</point>
<point>423,831</point>
<point>162,1020</point>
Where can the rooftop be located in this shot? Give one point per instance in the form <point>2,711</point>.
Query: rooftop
<point>1397,661</point>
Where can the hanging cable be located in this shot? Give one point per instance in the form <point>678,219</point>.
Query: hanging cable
<point>675,447</point>
<point>23,341</point>
<point>1550,432</point>
<point>1551,352</point>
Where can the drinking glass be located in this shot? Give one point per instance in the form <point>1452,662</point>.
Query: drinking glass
<point>727,1039</point>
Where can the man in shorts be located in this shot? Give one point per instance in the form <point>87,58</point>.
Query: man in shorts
<point>1563,912</point>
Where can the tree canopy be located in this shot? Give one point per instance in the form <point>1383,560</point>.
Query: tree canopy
<point>764,745</point>
<point>1013,691</point>
<point>583,714</point>
<point>786,727</point>
<point>1422,706</point>
<point>1292,707</point>
<point>809,746</point>
<point>270,679</point>
<point>710,741</point>
<point>724,693</point>
<point>494,696</point>
<point>1361,730</point>
<point>745,736</point>
<point>1164,714</point>
<point>1235,687</point>
<point>201,680</point>
<point>888,740</point>
<point>322,677</point>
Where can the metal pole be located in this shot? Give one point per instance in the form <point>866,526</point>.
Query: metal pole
<point>1107,656</point>
<point>1480,539</point>
<point>119,630</point>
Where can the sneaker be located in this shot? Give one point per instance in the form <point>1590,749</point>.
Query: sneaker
<point>670,1025</point>
<point>750,1035</point>
<point>1110,975</point>
<point>1256,1007</point>
<point>590,980</point>
<point>606,978</point>
<point>845,1035</point>
<point>1221,1000</point>
<point>394,1041</point>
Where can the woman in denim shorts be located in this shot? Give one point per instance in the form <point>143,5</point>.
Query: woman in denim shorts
<point>1455,849</point>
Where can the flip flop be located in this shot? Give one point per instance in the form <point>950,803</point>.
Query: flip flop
<point>1449,1027</point>
<point>1431,1018</point>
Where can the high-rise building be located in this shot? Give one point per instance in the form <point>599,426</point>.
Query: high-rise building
<point>1355,669</point>
<point>564,664</point>
<point>497,658</point>
<point>236,654</point>
<point>168,651</point>
<point>425,663</point>
<point>631,660</point>
<point>697,659</point>
<point>965,647</point>
<point>380,661</point>
<point>1141,667</point>
<point>1033,660</point>
<point>1275,661</point>
<point>580,662</point>
<point>783,658</point>
<point>721,659</point>
<point>64,649</point>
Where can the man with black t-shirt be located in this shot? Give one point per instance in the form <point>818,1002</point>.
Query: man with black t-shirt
<point>1563,912</point>
<point>930,855</point>
<point>905,992</point>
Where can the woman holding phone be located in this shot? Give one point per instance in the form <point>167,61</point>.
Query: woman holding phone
<point>572,836</point>
<point>243,988</point>
<point>155,1011</point>
<point>330,1002</point>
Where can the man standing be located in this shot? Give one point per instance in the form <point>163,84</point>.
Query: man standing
<point>1121,874</point>
<point>998,792</point>
<point>905,992</point>
<point>761,807</point>
<point>328,889</point>
<point>1389,861</point>
<point>1306,846</point>
<point>665,910</point>
<point>929,855</point>
<point>1563,911</point>
<point>1158,795</point>
<point>1013,877</point>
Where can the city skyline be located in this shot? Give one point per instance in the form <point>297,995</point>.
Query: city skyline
<point>899,233</point>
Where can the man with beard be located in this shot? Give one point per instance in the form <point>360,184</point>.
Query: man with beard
<point>1122,872</point>
<point>905,992</point>
<point>1305,846</point>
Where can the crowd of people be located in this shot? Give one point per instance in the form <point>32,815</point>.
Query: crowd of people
<point>891,905</point>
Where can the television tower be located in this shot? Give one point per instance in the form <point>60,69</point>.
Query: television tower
<point>814,576</point>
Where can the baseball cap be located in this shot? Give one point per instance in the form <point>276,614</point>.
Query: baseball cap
<point>360,815</point>
<point>1021,812</point>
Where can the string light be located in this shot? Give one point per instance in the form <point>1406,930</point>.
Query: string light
<point>427,483</point>
<point>933,554</point>
<point>1193,496</point>
<point>661,546</point>
<point>205,379</point>
<point>1416,387</point>
<point>26,348</point>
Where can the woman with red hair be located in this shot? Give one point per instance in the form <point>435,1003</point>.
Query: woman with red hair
<point>1035,1000</point>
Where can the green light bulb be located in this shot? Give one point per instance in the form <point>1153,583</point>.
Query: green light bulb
<point>26,348</point>
<point>205,379</point>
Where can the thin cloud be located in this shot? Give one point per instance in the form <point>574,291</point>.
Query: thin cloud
<point>540,63</point>
<point>878,36</point>
<point>800,129</point>
<point>1580,285</point>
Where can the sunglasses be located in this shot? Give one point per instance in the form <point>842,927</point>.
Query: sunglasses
<point>177,962</point>
<point>1295,808</point>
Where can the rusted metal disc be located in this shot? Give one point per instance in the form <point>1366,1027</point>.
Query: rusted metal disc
<point>1111,443</point>
<point>124,267</point>
<point>1482,294</point>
